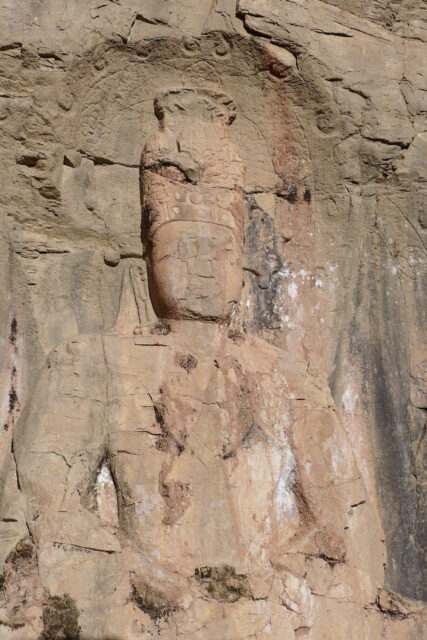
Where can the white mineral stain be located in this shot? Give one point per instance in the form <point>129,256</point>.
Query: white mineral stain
<point>145,502</point>
<point>293,290</point>
<point>284,272</point>
<point>349,399</point>
<point>104,476</point>
<point>106,497</point>
<point>284,496</point>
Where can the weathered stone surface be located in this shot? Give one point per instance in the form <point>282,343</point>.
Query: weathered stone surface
<point>212,267</point>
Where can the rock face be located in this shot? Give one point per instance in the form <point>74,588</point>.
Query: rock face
<point>213,358</point>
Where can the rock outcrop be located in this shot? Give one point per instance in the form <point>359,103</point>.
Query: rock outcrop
<point>212,332</point>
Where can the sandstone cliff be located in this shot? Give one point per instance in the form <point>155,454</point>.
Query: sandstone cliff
<point>198,457</point>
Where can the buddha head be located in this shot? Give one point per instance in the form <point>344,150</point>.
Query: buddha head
<point>192,194</point>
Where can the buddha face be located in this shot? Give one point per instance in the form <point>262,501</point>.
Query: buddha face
<point>192,190</point>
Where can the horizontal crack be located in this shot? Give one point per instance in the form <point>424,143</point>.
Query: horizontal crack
<point>98,160</point>
<point>392,143</point>
<point>84,547</point>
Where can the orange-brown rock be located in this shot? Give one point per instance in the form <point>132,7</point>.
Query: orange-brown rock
<point>212,254</point>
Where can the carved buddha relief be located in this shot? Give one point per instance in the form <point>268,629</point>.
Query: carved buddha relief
<point>225,454</point>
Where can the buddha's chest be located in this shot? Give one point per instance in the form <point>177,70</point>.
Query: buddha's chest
<point>207,401</point>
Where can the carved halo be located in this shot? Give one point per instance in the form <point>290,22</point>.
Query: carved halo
<point>214,104</point>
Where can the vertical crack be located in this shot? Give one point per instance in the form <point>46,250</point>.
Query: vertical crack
<point>14,405</point>
<point>13,400</point>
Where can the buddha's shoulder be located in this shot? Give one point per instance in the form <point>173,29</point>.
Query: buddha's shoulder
<point>92,350</point>
<point>258,355</point>
<point>261,358</point>
<point>82,349</point>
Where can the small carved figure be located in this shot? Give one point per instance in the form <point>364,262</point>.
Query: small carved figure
<point>146,315</point>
